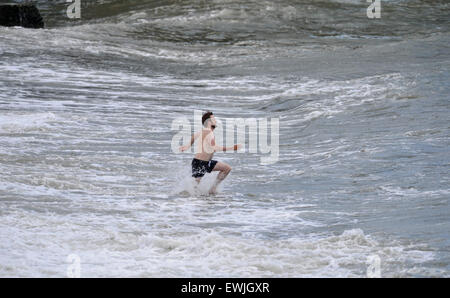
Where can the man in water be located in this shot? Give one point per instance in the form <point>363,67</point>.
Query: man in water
<point>203,162</point>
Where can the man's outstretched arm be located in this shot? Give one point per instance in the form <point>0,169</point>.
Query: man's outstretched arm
<point>229,148</point>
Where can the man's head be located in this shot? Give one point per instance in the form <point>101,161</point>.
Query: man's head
<point>208,120</point>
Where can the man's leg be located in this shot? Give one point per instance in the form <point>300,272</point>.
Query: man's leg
<point>224,170</point>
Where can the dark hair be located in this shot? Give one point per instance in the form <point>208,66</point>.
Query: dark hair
<point>206,116</point>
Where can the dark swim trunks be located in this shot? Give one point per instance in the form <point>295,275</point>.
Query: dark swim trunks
<point>200,167</point>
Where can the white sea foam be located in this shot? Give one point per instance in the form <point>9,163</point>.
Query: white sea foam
<point>187,184</point>
<point>108,251</point>
<point>22,122</point>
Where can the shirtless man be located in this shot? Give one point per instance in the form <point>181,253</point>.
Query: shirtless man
<point>202,161</point>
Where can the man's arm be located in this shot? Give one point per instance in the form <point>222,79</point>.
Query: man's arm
<point>230,148</point>
<point>223,148</point>
<point>193,138</point>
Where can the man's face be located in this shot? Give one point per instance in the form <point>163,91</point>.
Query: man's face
<point>213,120</point>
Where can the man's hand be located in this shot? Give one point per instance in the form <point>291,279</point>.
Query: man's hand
<point>184,148</point>
<point>237,147</point>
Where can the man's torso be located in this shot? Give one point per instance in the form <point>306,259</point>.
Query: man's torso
<point>205,149</point>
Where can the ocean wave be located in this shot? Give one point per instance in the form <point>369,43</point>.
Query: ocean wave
<point>106,251</point>
<point>234,20</point>
<point>25,122</point>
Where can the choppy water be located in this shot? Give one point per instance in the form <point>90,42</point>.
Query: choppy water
<point>86,166</point>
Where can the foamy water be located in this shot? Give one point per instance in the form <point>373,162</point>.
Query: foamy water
<point>86,166</point>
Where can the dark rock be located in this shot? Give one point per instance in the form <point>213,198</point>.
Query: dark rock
<point>24,15</point>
